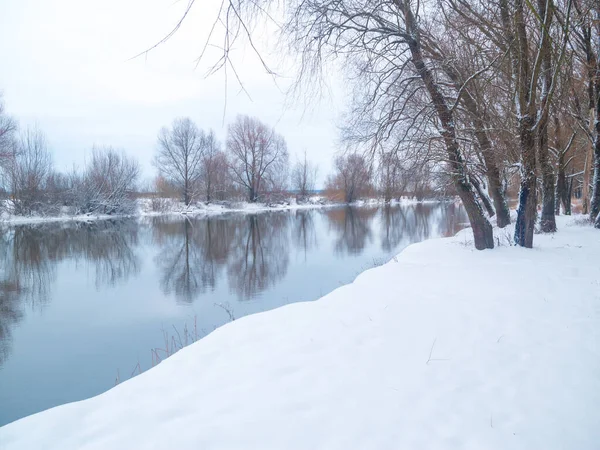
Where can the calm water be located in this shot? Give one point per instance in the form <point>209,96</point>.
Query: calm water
<point>81,305</point>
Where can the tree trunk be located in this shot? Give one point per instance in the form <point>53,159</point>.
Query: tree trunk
<point>483,197</point>
<point>482,229</point>
<point>563,186</point>
<point>562,191</point>
<point>588,166</point>
<point>593,91</point>
<point>186,194</point>
<point>568,197</point>
<point>493,173</point>
<point>499,199</point>
<point>548,222</point>
<point>595,202</point>
<point>485,144</point>
<point>527,212</point>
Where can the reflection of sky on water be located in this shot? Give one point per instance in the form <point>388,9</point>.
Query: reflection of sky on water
<point>80,301</point>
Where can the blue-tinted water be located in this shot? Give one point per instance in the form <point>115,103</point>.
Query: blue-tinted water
<point>82,304</point>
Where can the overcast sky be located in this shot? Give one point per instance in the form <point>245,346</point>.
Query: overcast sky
<point>66,68</point>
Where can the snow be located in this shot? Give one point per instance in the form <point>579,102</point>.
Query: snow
<point>144,208</point>
<point>444,347</point>
<point>171,207</point>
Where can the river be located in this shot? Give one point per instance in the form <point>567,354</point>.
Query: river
<point>84,306</point>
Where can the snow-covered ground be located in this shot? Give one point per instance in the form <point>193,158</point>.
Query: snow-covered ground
<point>168,207</point>
<point>444,347</point>
<point>200,208</point>
<point>172,207</point>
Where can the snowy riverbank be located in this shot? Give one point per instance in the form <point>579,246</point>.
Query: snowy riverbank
<point>444,347</point>
<point>170,207</point>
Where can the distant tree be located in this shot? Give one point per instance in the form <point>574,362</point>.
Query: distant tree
<point>304,176</point>
<point>212,166</point>
<point>352,176</point>
<point>8,128</point>
<point>391,176</point>
<point>29,166</point>
<point>108,183</point>
<point>180,156</point>
<point>224,186</point>
<point>258,156</point>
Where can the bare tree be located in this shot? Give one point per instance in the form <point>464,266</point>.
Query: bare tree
<point>223,186</point>
<point>258,156</point>
<point>29,167</point>
<point>468,84</point>
<point>393,178</point>
<point>8,128</point>
<point>585,34</point>
<point>534,64</point>
<point>304,175</point>
<point>589,46</point>
<point>211,167</point>
<point>459,62</point>
<point>180,156</point>
<point>384,44</point>
<point>352,177</point>
<point>108,183</point>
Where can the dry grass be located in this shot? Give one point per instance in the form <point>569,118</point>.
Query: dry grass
<point>173,341</point>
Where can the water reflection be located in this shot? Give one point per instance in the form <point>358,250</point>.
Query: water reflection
<point>353,228</point>
<point>164,271</point>
<point>260,257</point>
<point>252,248</point>
<point>10,314</point>
<point>29,255</point>
<point>305,235</point>
<point>392,227</point>
<point>192,253</point>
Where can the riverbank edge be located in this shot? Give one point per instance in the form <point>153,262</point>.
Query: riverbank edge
<point>202,209</point>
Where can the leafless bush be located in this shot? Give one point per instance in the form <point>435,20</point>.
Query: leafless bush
<point>160,204</point>
<point>352,177</point>
<point>29,168</point>
<point>108,183</point>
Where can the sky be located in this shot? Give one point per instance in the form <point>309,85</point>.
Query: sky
<point>67,68</point>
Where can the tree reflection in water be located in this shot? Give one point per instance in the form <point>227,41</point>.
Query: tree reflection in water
<point>251,253</point>
<point>260,253</point>
<point>192,253</point>
<point>392,227</point>
<point>353,228</point>
<point>29,255</point>
<point>10,314</point>
<point>304,233</point>
<point>253,249</point>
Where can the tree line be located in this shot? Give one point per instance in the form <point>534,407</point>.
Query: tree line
<point>35,187</point>
<point>492,98</point>
<point>192,166</point>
